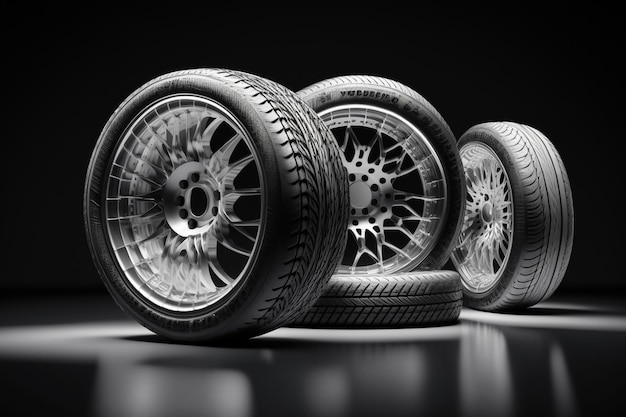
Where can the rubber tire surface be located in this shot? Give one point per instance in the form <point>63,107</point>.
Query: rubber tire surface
<point>412,299</point>
<point>407,103</point>
<point>302,235</point>
<point>543,229</point>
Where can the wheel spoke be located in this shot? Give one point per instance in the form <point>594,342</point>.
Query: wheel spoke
<point>210,246</point>
<point>231,197</point>
<point>234,169</point>
<point>224,153</point>
<point>400,172</point>
<point>397,250</point>
<point>414,215</point>
<point>163,147</point>
<point>362,248</point>
<point>221,232</point>
<point>159,172</point>
<point>399,144</point>
<point>135,175</point>
<point>204,134</point>
<point>406,196</point>
<point>159,232</point>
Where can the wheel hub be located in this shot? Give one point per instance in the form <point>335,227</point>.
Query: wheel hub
<point>360,195</point>
<point>191,199</point>
<point>371,196</point>
<point>487,213</point>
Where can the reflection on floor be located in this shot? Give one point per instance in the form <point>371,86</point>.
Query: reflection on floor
<point>79,356</point>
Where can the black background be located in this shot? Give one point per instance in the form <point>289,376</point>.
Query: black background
<point>67,70</point>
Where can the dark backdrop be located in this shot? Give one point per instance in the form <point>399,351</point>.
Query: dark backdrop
<point>67,70</point>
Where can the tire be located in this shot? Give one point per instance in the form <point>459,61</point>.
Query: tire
<point>189,238</point>
<point>518,231</point>
<point>413,299</point>
<point>407,186</point>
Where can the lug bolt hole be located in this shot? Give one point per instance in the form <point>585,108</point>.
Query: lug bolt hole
<point>374,202</point>
<point>365,211</point>
<point>180,200</point>
<point>364,177</point>
<point>353,211</point>
<point>183,214</point>
<point>192,223</point>
<point>377,229</point>
<point>352,177</point>
<point>372,220</point>
<point>383,180</point>
<point>374,187</point>
<point>195,177</point>
<point>183,184</point>
<point>371,170</point>
<point>359,163</point>
<point>214,211</point>
<point>183,252</point>
<point>355,222</point>
<point>383,209</point>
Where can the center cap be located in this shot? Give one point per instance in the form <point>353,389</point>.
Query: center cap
<point>487,212</point>
<point>191,199</point>
<point>360,195</point>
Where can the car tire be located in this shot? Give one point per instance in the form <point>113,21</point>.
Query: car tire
<point>412,299</point>
<point>518,229</point>
<point>215,205</point>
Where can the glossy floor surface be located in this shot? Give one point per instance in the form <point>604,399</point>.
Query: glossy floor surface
<point>80,356</point>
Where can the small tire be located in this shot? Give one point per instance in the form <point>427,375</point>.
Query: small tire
<point>406,179</point>
<point>169,232</point>
<point>412,299</point>
<point>518,232</point>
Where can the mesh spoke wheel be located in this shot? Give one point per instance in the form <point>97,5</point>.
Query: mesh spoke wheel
<point>184,203</point>
<point>405,179</point>
<point>397,189</point>
<point>485,246</point>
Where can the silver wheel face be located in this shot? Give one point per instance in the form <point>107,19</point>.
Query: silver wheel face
<point>484,244</point>
<point>184,203</point>
<point>397,189</point>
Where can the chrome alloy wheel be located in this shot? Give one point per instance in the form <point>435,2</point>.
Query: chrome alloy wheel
<point>397,189</point>
<point>484,244</point>
<point>184,203</point>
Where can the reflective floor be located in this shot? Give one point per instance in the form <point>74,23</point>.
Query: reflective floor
<point>80,356</point>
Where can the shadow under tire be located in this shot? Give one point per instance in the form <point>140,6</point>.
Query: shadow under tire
<point>518,231</point>
<point>411,299</point>
<point>215,205</point>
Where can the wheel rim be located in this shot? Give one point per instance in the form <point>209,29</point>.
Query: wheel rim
<point>184,203</point>
<point>397,189</point>
<point>484,244</point>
